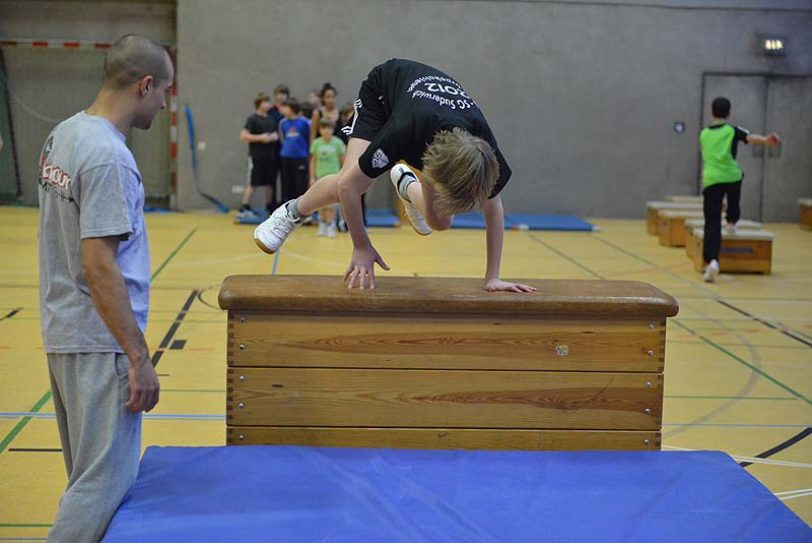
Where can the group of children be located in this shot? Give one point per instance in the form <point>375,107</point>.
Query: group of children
<point>414,114</point>
<point>283,142</point>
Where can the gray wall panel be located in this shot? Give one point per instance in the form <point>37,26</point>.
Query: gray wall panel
<point>582,97</point>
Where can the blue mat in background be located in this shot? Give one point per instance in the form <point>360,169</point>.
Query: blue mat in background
<point>519,221</point>
<point>381,218</point>
<point>569,223</point>
<point>513,221</point>
<point>308,494</point>
<point>375,218</point>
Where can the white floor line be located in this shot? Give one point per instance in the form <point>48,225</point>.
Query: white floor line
<point>752,460</point>
<point>783,499</point>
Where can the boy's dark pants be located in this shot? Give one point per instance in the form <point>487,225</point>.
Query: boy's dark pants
<point>712,209</point>
<point>294,178</point>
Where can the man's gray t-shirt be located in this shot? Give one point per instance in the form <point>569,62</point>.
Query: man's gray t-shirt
<point>89,187</point>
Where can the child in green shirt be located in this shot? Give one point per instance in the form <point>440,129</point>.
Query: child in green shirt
<point>326,158</point>
<point>722,176</point>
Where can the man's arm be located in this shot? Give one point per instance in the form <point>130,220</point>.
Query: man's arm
<point>495,235</point>
<point>112,301</point>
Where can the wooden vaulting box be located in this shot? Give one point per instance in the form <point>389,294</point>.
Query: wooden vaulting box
<point>440,363</point>
<point>743,251</point>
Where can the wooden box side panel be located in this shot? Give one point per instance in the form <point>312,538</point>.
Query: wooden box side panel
<point>445,438</point>
<point>440,398</point>
<point>412,342</point>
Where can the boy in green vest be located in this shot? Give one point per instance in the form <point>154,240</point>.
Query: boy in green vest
<point>722,176</point>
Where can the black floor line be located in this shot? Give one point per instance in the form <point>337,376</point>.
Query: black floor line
<point>33,449</point>
<point>781,446</point>
<point>765,323</point>
<point>11,313</point>
<point>167,340</point>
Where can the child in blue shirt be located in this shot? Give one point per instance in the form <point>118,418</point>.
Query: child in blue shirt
<point>294,133</point>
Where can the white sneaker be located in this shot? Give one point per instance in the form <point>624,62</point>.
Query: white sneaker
<point>331,231</point>
<point>730,228</point>
<point>416,218</point>
<point>322,229</point>
<point>711,271</point>
<point>271,234</point>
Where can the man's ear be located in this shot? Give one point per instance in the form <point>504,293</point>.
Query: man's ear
<point>145,85</point>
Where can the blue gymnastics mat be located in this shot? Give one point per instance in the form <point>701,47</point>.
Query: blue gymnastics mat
<point>375,218</point>
<point>520,221</point>
<point>307,494</point>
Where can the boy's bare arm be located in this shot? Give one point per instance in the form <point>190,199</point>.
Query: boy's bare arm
<point>248,137</point>
<point>758,139</point>
<point>495,235</point>
<point>361,271</point>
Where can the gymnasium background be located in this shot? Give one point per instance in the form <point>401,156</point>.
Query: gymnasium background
<point>585,97</point>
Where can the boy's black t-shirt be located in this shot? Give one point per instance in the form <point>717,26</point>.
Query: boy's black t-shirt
<point>419,101</point>
<point>257,124</point>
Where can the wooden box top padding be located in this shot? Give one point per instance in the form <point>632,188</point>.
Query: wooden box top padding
<point>435,295</point>
<point>741,235</point>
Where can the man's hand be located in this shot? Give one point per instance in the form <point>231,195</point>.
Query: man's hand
<point>361,271</point>
<point>773,139</point>
<point>144,386</point>
<point>267,137</point>
<point>496,285</point>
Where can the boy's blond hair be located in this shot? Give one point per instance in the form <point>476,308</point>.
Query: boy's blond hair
<point>462,169</point>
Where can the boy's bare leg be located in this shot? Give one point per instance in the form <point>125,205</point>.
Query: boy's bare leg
<point>421,195</point>
<point>247,194</point>
<point>325,191</point>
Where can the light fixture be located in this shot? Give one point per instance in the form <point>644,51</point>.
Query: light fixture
<point>773,45</point>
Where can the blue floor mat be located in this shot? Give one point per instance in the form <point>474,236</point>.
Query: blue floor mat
<point>569,223</point>
<point>521,221</point>
<point>376,218</point>
<point>305,494</point>
<point>381,218</point>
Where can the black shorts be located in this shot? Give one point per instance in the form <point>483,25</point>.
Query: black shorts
<point>264,172</point>
<point>370,111</point>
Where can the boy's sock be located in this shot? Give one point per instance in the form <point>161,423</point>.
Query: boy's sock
<point>293,210</point>
<point>406,179</point>
<point>245,207</point>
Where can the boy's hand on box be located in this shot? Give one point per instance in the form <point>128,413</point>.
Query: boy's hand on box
<point>497,285</point>
<point>361,272</point>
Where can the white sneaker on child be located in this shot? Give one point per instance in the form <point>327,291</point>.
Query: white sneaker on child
<point>418,222</point>
<point>271,234</point>
<point>331,231</point>
<point>711,271</point>
<point>322,229</point>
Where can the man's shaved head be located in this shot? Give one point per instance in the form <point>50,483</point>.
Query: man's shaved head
<point>131,58</point>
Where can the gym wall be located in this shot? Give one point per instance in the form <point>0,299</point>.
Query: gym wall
<point>582,96</point>
<point>49,85</point>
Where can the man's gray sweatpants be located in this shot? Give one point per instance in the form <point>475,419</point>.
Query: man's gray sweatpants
<point>101,441</point>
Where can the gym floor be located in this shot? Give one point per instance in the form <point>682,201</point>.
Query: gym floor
<point>738,364</point>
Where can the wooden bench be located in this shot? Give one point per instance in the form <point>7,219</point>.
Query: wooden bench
<point>805,207</point>
<point>672,226</point>
<point>742,251</point>
<point>440,363</point>
<point>653,209</point>
<point>691,224</point>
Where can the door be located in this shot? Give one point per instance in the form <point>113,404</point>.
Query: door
<point>748,98</point>
<point>788,167</point>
